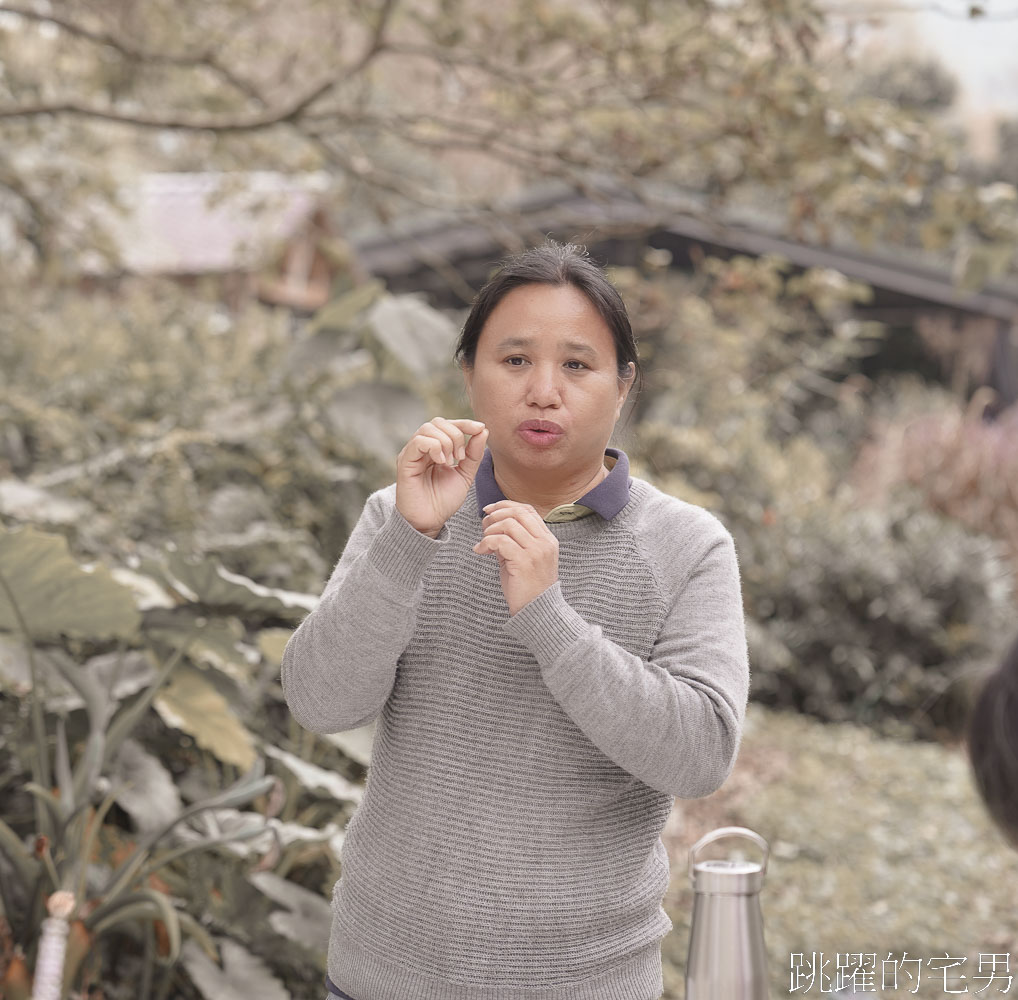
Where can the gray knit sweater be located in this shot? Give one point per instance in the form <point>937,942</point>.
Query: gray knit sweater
<point>507,846</point>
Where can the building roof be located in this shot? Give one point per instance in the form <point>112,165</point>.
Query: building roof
<point>401,256</point>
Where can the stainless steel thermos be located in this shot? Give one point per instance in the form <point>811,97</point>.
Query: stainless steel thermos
<point>726,959</point>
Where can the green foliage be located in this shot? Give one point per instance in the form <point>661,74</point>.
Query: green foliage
<point>122,880</point>
<point>409,106</point>
<point>888,615</point>
<point>69,821</point>
<point>220,507</point>
<point>164,666</point>
<point>55,595</point>
<point>861,606</point>
<point>961,465</point>
<point>921,83</point>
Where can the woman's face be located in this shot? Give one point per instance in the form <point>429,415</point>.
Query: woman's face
<point>545,353</point>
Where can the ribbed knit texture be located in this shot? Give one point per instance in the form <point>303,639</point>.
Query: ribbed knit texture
<point>508,842</point>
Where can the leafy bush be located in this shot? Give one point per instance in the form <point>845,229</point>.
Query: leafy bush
<point>962,466</point>
<point>217,463</point>
<point>196,453</point>
<point>886,615</point>
<point>879,612</point>
<point>98,666</point>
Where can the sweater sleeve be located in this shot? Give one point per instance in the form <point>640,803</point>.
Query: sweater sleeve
<point>673,721</point>
<point>339,666</point>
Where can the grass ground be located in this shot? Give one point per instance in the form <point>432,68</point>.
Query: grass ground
<point>878,847</point>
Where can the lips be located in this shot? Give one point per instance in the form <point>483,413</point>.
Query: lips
<point>540,425</point>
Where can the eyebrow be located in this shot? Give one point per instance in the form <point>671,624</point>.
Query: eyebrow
<point>571,345</point>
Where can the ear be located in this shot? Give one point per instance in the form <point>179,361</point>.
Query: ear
<point>624,389</point>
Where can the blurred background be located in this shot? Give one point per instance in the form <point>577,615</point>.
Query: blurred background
<point>238,239</point>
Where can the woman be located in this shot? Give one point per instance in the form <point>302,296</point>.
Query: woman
<point>554,650</point>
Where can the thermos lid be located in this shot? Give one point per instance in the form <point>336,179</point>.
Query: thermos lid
<point>729,877</point>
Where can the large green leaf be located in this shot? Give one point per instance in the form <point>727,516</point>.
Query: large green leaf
<point>143,787</point>
<point>55,595</point>
<point>207,582</point>
<point>416,335</point>
<point>192,704</point>
<point>227,824</point>
<point>306,917</point>
<point>217,643</point>
<point>52,666</point>
<point>315,778</point>
<point>26,502</point>
<point>272,642</point>
<point>242,976</point>
<point>377,416</point>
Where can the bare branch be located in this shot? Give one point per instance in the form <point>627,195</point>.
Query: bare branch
<point>106,38</point>
<point>252,123</point>
<point>208,59</point>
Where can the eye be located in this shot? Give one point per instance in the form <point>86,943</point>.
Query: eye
<point>517,357</point>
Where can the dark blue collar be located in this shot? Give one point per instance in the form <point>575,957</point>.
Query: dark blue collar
<point>607,498</point>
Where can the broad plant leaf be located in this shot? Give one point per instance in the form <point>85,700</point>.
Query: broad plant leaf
<point>272,642</point>
<point>56,595</point>
<point>121,674</point>
<point>148,593</point>
<point>227,823</point>
<point>207,582</point>
<point>355,743</point>
<point>241,977</point>
<point>143,788</point>
<point>419,337</point>
<point>16,677</point>
<point>315,778</point>
<point>306,917</point>
<point>26,502</point>
<point>192,704</point>
<point>215,643</point>
<point>376,416</point>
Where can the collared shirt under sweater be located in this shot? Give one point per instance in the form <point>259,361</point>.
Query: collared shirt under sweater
<point>507,846</point>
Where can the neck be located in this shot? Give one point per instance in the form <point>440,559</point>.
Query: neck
<point>528,486</point>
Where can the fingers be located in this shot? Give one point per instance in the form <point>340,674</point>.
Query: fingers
<point>444,440</point>
<point>478,439</point>
<point>517,521</point>
<point>455,431</point>
<point>501,545</point>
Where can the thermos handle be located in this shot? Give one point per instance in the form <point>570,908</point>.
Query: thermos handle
<point>728,831</point>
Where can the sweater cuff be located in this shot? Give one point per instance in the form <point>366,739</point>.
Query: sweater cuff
<point>401,553</point>
<point>548,625</point>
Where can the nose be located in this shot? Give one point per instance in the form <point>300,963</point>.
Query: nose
<point>544,385</point>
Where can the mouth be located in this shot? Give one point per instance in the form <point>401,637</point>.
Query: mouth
<point>540,432</point>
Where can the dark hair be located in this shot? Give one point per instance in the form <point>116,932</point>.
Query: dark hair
<point>993,744</point>
<point>553,263</point>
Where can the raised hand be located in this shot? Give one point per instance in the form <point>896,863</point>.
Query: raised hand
<point>525,547</point>
<point>430,487</point>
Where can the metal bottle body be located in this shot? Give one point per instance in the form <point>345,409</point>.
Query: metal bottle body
<point>727,958</point>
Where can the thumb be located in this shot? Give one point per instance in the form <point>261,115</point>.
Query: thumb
<point>474,452</point>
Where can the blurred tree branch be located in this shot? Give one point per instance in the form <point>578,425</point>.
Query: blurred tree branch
<point>452,104</point>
